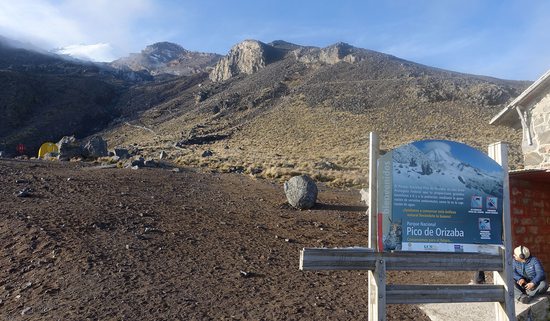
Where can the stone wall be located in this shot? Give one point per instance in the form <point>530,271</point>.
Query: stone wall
<point>537,155</point>
<point>530,206</point>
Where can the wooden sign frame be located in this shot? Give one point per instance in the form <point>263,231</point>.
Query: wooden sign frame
<point>377,262</point>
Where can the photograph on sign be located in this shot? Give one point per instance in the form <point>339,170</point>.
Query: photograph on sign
<point>440,196</point>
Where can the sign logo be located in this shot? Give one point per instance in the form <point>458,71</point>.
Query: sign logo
<point>492,203</point>
<point>477,201</point>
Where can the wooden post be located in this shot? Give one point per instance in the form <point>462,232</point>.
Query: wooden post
<point>374,276</point>
<point>373,191</point>
<point>505,311</point>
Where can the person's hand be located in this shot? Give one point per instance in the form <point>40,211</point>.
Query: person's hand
<point>530,286</point>
<point>521,282</point>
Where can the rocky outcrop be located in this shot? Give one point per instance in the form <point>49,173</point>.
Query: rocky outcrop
<point>246,57</point>
<point>250,56</point>
<point>121,153</point>
<point>330,55</point>
<point>167,58</point>
<point>95,147</point>
<point>69,148</point>
<point>477,91</point>
<point>200,140</point>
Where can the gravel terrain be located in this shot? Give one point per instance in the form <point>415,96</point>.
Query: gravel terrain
<point>92,243</point>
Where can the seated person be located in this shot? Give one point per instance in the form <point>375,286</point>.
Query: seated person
<point>528,274</point>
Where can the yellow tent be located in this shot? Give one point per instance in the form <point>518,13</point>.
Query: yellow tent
<point>47,148</point>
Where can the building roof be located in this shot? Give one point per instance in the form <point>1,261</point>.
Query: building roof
<point>509,115</point>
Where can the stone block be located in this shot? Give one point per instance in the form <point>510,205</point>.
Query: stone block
<point>532,159</point>
<point>538,120</point>
<point>544,136</point>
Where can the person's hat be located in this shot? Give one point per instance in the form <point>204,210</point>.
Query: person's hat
<point>522,252</point>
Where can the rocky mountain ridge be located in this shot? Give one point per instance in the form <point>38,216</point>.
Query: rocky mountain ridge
<point>249,56</point>
<point>279,109</point>
<point>273,109</point>
<point>167,58</point>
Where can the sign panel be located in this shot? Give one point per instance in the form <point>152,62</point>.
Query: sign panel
<point>440,196</point>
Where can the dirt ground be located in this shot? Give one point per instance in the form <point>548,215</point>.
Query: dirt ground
<point>155,244</point>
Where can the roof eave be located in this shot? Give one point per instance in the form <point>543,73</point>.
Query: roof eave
<point>504,117</point>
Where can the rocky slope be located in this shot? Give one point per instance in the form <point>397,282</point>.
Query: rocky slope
<point>167,58</point>
<point>272,110</point>
<point>412,81</point>
<point>279,109</point>
<point>44,97</point>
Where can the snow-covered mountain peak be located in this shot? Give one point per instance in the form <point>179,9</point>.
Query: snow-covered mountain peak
<point>437,166</point>
<point>441,156</point>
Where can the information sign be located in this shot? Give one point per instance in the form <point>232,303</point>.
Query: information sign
<point>440,196</point>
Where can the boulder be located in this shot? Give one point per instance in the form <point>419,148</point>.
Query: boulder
<point>301,192</point>
<point>69,148</point>
<point>137,161</point>
<point>95,147</point>
<point>51,156</point>
<point>122,153</point>
<point>150,163</point>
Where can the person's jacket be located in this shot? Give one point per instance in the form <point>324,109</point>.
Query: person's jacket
<point>531,270</point>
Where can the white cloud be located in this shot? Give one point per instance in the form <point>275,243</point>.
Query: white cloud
<point>96,52</point>
<point>82,27</point>
<point>28,20</point>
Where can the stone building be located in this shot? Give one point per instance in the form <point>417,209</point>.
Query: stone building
<point>531,112</point>
<point>530,187</point>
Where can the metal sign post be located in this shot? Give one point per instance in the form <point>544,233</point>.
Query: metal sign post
<point>505,310</point>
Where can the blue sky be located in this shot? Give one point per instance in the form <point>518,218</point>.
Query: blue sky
<point>505,39</point>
